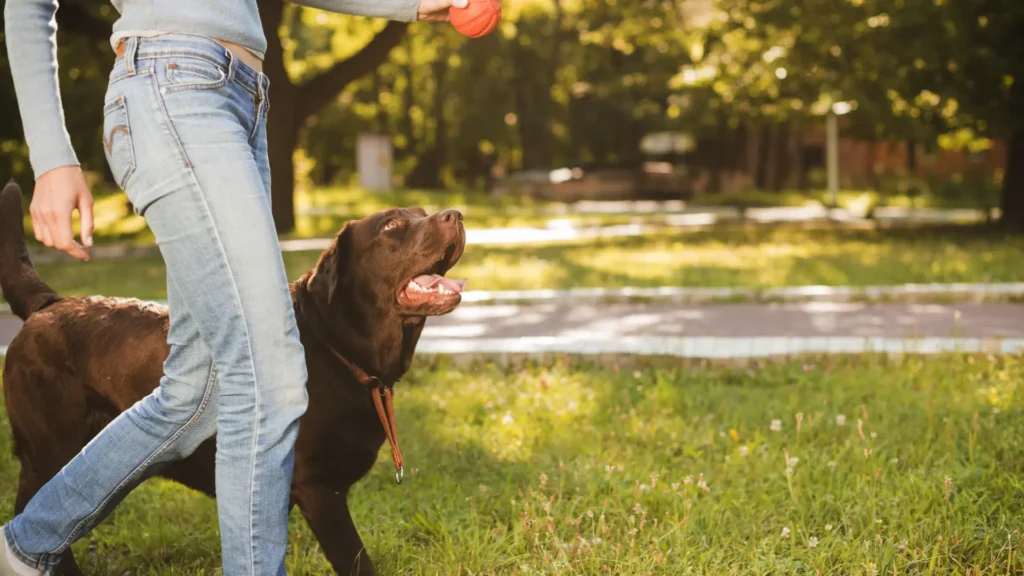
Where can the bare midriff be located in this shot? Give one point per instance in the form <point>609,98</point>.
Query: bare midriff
<point>243,54</point>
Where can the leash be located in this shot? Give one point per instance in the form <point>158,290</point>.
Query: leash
<point>385,408</point>
<point>381,400</point>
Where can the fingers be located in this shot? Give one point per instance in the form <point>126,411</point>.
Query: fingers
<point>59,224</point>
<point>85,214</point>
<point>37,225</point>
<point>437,10</point>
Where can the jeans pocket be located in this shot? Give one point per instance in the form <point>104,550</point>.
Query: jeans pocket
<point>195,74</point>
<point>117,141</point>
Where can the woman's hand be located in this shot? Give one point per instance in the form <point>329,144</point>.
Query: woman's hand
<point>57,194</point>
<point>437,10</point>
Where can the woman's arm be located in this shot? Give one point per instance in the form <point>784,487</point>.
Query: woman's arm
<point>30,28</point>
<point>398,10</point>
<point>31,34</point>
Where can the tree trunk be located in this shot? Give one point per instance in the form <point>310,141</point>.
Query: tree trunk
<point>408,101</point>
<point>795,173</point>
<point>427,173</point>
<point>753,154</point>
<point>381,116</point>
<point>719,150</point>
<point>294,104</point>
<point>282,125</point>
<point>771,165</point>
<point>1012,205</point>
<point>911,157</point>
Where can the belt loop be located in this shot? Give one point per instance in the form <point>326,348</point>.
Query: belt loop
<point>131,47</point>
<point>232,64</point>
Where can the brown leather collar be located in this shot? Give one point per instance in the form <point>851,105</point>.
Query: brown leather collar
<point>385,407</point>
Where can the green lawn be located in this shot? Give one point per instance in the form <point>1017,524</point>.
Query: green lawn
<point>334,206</point>
<point>842,466</point>
<point>756,257</point>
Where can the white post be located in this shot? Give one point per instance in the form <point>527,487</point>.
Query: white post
<point>832,157</point>
<point>374,160</point>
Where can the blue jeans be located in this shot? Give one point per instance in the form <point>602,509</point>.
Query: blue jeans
<point>185,136</point>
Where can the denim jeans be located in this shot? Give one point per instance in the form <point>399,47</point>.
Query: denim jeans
<point>185,136</point>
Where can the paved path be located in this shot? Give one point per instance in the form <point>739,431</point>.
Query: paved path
<point>716,330</point>
<point>731,320</point>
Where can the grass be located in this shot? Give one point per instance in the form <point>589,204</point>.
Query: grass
<point>840,466</point>
<point>754,257</point>
<point>321,211</point>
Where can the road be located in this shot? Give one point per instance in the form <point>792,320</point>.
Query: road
<point>812,319</point>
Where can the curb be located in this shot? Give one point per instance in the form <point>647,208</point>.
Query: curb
<point>714,347</point>
<point>711,347</point>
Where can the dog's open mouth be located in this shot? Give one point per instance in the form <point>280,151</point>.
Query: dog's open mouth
<point>429,291</point>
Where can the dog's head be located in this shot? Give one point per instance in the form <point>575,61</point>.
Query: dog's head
<point>393,264</point>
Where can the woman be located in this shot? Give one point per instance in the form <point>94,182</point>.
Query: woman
<point>185,137</point>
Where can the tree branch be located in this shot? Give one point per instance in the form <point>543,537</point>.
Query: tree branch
<point>75,19</point>
<point>317,92</point>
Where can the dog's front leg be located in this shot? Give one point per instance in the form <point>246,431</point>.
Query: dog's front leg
<point>326,511</point>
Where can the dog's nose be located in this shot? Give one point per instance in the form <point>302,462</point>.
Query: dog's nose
<point>450,216</point>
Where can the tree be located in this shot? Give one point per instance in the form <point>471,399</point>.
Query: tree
<point>294,102</point>
<point>939,70</point>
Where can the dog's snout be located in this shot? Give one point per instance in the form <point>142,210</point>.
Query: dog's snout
<point>450,216</point>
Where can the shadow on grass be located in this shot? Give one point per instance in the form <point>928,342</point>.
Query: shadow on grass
<point>572,467</point>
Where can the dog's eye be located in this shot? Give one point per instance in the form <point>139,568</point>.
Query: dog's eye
<point>392,224</point>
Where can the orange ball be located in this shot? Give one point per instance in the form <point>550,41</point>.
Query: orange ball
<point>477,19</point>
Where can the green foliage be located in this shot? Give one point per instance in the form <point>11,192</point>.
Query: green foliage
<point>861,465</point>
<point>909,68</point>
<point>580,82</point>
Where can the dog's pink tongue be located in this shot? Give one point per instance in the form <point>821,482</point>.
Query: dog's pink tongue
<point>430,280</point>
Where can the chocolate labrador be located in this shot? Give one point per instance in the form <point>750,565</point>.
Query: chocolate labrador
<point>360,313</point>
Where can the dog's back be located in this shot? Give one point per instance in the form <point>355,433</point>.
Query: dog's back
<point>75,364</point>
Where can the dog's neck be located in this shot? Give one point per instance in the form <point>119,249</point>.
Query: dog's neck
<point>380,343</point>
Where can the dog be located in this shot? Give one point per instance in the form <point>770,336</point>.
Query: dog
<point>78,362</point>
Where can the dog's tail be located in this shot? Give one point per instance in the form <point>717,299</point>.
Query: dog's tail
<point>22,288</point>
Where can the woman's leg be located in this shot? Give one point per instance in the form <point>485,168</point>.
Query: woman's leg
<point>167,425</point>
<point>182,121</point>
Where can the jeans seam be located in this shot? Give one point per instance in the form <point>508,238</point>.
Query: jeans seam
<point>207,392</point>
<point>171,130</point>
<point>252,365</point>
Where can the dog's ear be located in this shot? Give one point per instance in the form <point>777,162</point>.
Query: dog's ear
<point>418,211</point>
<point>323,282</point>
